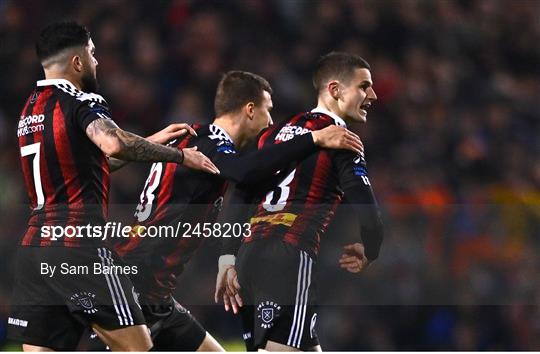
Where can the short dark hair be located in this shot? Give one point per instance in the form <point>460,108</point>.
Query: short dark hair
<point>337,65</point>
<point>58,36</point>
<point>238,88</point>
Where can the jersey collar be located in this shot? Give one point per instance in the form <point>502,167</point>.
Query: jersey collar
<point>220,132</point>
<point>56,82</point>
<point>337,119</point>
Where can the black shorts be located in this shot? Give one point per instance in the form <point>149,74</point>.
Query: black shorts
<point>279,294</point>
<point>172,328</point>
<point>89,285</point>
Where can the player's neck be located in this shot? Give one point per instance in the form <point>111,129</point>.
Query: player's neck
<point>231,125</point>
<point>328,105</point>
<point>55,75</point>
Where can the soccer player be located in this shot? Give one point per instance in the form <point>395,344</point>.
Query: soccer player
<point>66,135</point>
<point>272,279</point>
<point>178,196</point>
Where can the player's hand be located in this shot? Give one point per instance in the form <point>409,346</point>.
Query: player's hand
<point>221,283</point>
<point>227,287</point>
<point>334,137</point>
<point>198,161</point>
<point>353,258</point>
<point>231,298</point>
<point>172,131</point>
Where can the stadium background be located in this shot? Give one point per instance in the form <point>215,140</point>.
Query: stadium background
<point>452,146</point>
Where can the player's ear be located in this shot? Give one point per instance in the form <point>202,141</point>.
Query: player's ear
<point>333,89</point>
<point>249,110</point>
<point>76,62</point>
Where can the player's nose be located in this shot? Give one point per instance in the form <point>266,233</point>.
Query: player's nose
<point>372,95</point>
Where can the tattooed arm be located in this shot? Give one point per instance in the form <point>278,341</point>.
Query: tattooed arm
<point>127,146</point>
<point>123,145</point>
<point>171,132</point>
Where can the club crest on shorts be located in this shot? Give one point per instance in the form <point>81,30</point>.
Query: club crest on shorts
<point>267,315</point>
<point>86,300</point>
<point>267,311</point>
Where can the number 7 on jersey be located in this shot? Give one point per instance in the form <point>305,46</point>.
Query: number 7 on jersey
<point>33,149</point>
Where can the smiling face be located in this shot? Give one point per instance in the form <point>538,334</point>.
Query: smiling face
<point>355,97</point>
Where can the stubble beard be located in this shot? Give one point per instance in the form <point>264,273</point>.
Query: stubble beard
<point>89,82</point>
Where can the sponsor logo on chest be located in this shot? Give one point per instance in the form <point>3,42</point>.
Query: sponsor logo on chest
<point>30,124</point>
<point>289,131</point>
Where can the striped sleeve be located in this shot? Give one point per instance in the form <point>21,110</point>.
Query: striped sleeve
<point>88,111</point>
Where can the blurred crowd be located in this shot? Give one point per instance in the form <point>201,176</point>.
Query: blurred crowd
<point>452,146</point>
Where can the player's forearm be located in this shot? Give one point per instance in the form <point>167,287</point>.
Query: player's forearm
<point>157,138</point>
<point>361,198</point>
<point>259,164</point>
<point>117,143</point>
<point>236,211</point>
<point>277,156</point>
<point>372,238</point>
<point>136,148</point>
<point>230,246</point>
<point>371,228</point>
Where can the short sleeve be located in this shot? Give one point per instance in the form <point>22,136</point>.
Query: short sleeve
<point>88,110</point>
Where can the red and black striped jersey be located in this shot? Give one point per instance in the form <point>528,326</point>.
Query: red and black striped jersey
<point>65,173</point>
<point>303,200</point>
<point>174,194</point>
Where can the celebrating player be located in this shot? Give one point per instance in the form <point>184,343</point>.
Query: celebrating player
<point>272,278</point>
<point>65,136</point>
<point>174,195</point>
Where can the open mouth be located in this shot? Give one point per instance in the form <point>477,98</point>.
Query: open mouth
<point>365,107</point>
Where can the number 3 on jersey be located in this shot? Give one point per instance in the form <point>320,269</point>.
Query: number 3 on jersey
<point>283,189</point>
<point>147,196</point>
<point>33,149</point>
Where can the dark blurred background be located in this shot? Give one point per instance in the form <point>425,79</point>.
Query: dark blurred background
<point>452,146</point>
